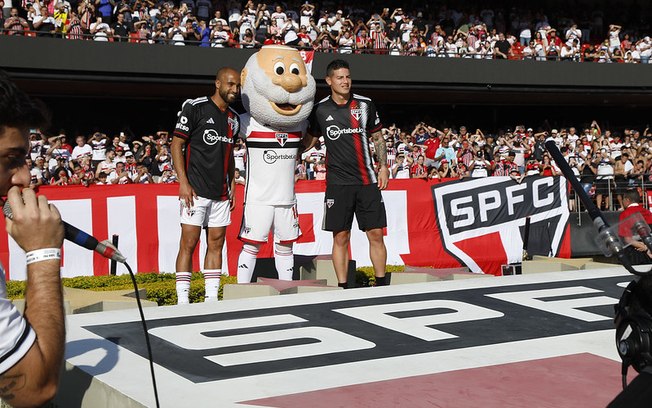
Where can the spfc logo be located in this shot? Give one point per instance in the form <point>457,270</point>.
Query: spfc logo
<point>356,113</point>
<point>281,138</point>
<point>330,202</point>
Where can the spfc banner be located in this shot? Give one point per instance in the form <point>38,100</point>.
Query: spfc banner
<point>481,220</point>
<point>430,223</point>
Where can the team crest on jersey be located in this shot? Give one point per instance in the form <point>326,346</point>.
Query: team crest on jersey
<point>356,113</point>
<point>330,202</point>
<point>281,138</point>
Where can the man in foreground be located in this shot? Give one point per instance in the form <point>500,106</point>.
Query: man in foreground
<point>31,347</point>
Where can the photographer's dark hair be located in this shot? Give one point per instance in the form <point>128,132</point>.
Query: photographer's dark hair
<point>633,196</point>
<point>17,109</point>
<point>335,65</point>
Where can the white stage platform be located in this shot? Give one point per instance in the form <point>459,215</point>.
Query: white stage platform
<point>538,340</point>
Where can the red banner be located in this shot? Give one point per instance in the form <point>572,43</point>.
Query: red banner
<point>146,219</point>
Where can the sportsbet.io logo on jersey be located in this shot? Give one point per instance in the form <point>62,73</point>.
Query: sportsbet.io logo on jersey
<point>181,125</point>
<point>333,132</point>
<point>270,156</point>
<point>211,137</point>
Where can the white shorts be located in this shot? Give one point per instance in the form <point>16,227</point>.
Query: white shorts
<point>258,220</point>
<point>206,213</point>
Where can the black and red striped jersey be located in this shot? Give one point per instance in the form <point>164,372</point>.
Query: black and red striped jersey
<point>209,134</point>
<point>347,130</point>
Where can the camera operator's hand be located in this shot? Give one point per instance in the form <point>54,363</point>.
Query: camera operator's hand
<point>35,224</point>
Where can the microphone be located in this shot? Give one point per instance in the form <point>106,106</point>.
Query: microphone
<point>607,239</point>
<point>641,228</point>
<point>81,238</point>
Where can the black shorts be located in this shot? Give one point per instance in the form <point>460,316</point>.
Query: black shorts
<point>604,186</point>
<point>341,202</point>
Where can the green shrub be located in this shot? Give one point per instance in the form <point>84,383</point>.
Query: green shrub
<point>16,289</point>
<point>160,288</point>
<point>365,274</point>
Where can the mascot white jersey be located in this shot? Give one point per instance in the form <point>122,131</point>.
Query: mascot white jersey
<point>278,94</point>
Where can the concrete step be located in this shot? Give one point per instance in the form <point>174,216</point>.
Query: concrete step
<point>417,274</point>
<point>321,267</point>
<point>247,290</point>
<point>87,301</point>
<point>272,287</point>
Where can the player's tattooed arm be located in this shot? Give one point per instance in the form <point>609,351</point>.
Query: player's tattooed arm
<point>9,384</point>
<point>380,148</point>
<point>381,152</point>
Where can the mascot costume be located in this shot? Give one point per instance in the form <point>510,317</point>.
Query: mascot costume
<point>278,93</point>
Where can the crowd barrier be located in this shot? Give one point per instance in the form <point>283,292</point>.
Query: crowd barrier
<point>430,223</point>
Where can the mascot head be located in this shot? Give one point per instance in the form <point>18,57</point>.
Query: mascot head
<point>277,89</point>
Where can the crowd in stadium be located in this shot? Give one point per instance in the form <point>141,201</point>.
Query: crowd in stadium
<point>605,162</point>
<point>464,31</point>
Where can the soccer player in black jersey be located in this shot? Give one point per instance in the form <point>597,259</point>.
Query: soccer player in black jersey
<point>349,123</point>
<point>206,129</point>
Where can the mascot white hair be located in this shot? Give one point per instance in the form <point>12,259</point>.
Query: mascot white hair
<point>278,93</point>
<point>277,89</point>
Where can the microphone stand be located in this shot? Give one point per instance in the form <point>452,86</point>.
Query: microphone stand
<point>612,242</point>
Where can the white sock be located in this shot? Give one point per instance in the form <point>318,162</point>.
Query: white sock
<point>183,287</point>
<point>212,282</point>
<point>247,263</point>
<point>284,261</point>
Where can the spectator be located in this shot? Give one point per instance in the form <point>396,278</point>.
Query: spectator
<point>299,174</point>
<point>60,178</point>
<point>119,175</point>
<point>446,170</point>
<point>104,10</point>
<point>480,166</point>
<point>107,165</point>
<point>15,24</point>
<point>120,155</point>
<point>240,156</point>
<point>502,48</point>
<point>418,169</point>
<point>120,29</point>
<point>82,148</point>
<point>101,30</point>
<point>614,38</point>
<point>603,168</point>
<point>320,170</point>
<point>168,175</point>
<point>142,176</point>
<point>40,174</point>
<point>622,170</point>
<point>446,150</point>
<point>177,34</point>
<point>85,11</point>
<point>219,36</point>
<point>45,24</point>
<point>400,170</point>
<point>101,179</point>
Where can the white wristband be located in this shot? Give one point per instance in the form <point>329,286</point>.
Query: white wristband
<point>44,254</point>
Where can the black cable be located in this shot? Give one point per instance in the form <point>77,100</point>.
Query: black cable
<point>149,347</point>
